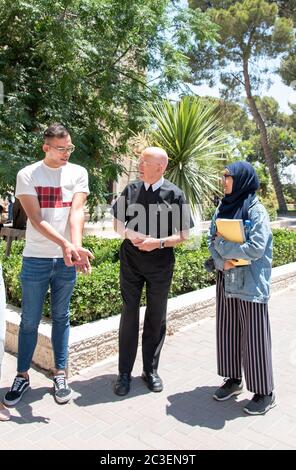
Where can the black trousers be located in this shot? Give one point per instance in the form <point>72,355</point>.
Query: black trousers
<point>155,269</point>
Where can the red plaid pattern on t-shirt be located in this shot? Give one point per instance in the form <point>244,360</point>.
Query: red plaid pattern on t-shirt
<point>49,196</point>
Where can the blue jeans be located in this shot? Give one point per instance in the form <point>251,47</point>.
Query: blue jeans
<point>37,275</point>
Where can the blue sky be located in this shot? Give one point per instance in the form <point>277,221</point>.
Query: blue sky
<point>278,90</point>
<point>282,93</point>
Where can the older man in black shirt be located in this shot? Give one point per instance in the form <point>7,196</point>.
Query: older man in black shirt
<point>152,216</point>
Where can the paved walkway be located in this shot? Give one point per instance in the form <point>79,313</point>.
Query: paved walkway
<point>183,416</point>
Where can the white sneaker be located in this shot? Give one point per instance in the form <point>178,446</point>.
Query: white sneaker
<point>62,391</point>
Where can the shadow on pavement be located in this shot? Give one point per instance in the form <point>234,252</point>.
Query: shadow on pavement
<point>24,407</point>
<point>100,390</point>
<point>198,408</point>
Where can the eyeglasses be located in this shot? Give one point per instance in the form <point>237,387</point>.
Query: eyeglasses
<point>69,149</point>
<point>145,163</point>
<point>223,177</point>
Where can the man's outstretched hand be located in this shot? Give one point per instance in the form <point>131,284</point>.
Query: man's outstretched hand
<point>79,257</point>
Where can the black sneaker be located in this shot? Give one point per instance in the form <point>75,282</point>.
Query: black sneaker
<point>260,404</point>
<point>19,387</point>
<point>228,389</point>
<point>62,391</point>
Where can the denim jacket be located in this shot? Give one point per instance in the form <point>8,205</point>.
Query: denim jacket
<point>250,282</point>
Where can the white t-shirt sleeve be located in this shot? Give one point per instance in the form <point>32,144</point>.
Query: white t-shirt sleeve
<point>81,185</point>
<point>24,184</point>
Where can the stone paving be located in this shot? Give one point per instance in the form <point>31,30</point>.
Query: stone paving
<point>183,416</point>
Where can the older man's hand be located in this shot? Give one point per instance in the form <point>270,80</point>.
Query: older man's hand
<point>147,244</point>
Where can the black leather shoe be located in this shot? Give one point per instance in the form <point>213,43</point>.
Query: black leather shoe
<point>122,385</point>
<point>153,381</point>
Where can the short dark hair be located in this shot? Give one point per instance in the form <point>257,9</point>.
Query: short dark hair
<point>55,130</point>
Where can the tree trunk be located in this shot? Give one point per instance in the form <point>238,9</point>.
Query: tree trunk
<point>264,141</point>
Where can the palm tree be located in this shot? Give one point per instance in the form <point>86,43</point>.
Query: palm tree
<point>195,141</point>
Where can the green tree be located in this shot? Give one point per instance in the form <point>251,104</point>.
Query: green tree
<point>246,137</point>
<point>250,30</point>
<point>281,132</point>
<point>85,63</point>
<point>287,69</point>
<point>192,134</point>
<point>292,117</point>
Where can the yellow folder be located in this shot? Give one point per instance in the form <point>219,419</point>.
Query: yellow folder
<point>233,231</point>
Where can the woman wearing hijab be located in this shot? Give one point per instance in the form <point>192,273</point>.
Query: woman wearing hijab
<point>243,328</point>
<point>4,412</point>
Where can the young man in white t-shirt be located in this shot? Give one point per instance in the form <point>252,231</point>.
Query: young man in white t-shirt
<point>52,193</point>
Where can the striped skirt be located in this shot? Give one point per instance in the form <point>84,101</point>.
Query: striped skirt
<point>243,340</point>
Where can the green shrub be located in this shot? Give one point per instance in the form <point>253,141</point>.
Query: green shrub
<point>2,249</point>
<point>98,296</point>
<point>208,212</point>
<point>11,273</point>
<point>103,249</point>
<point>284,247</point>
<point>189,272</point>
<point>17,247</point>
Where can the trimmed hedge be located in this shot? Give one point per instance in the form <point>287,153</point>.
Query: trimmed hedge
<point>98,296</point>
<point>284,246</point>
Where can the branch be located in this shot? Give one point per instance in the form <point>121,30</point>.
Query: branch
<point>138,81</point>
<point>63,15</point>
<point>156,78</point>
<point>122,55</point>
<point>112,64</point>
<point>238,79</point>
